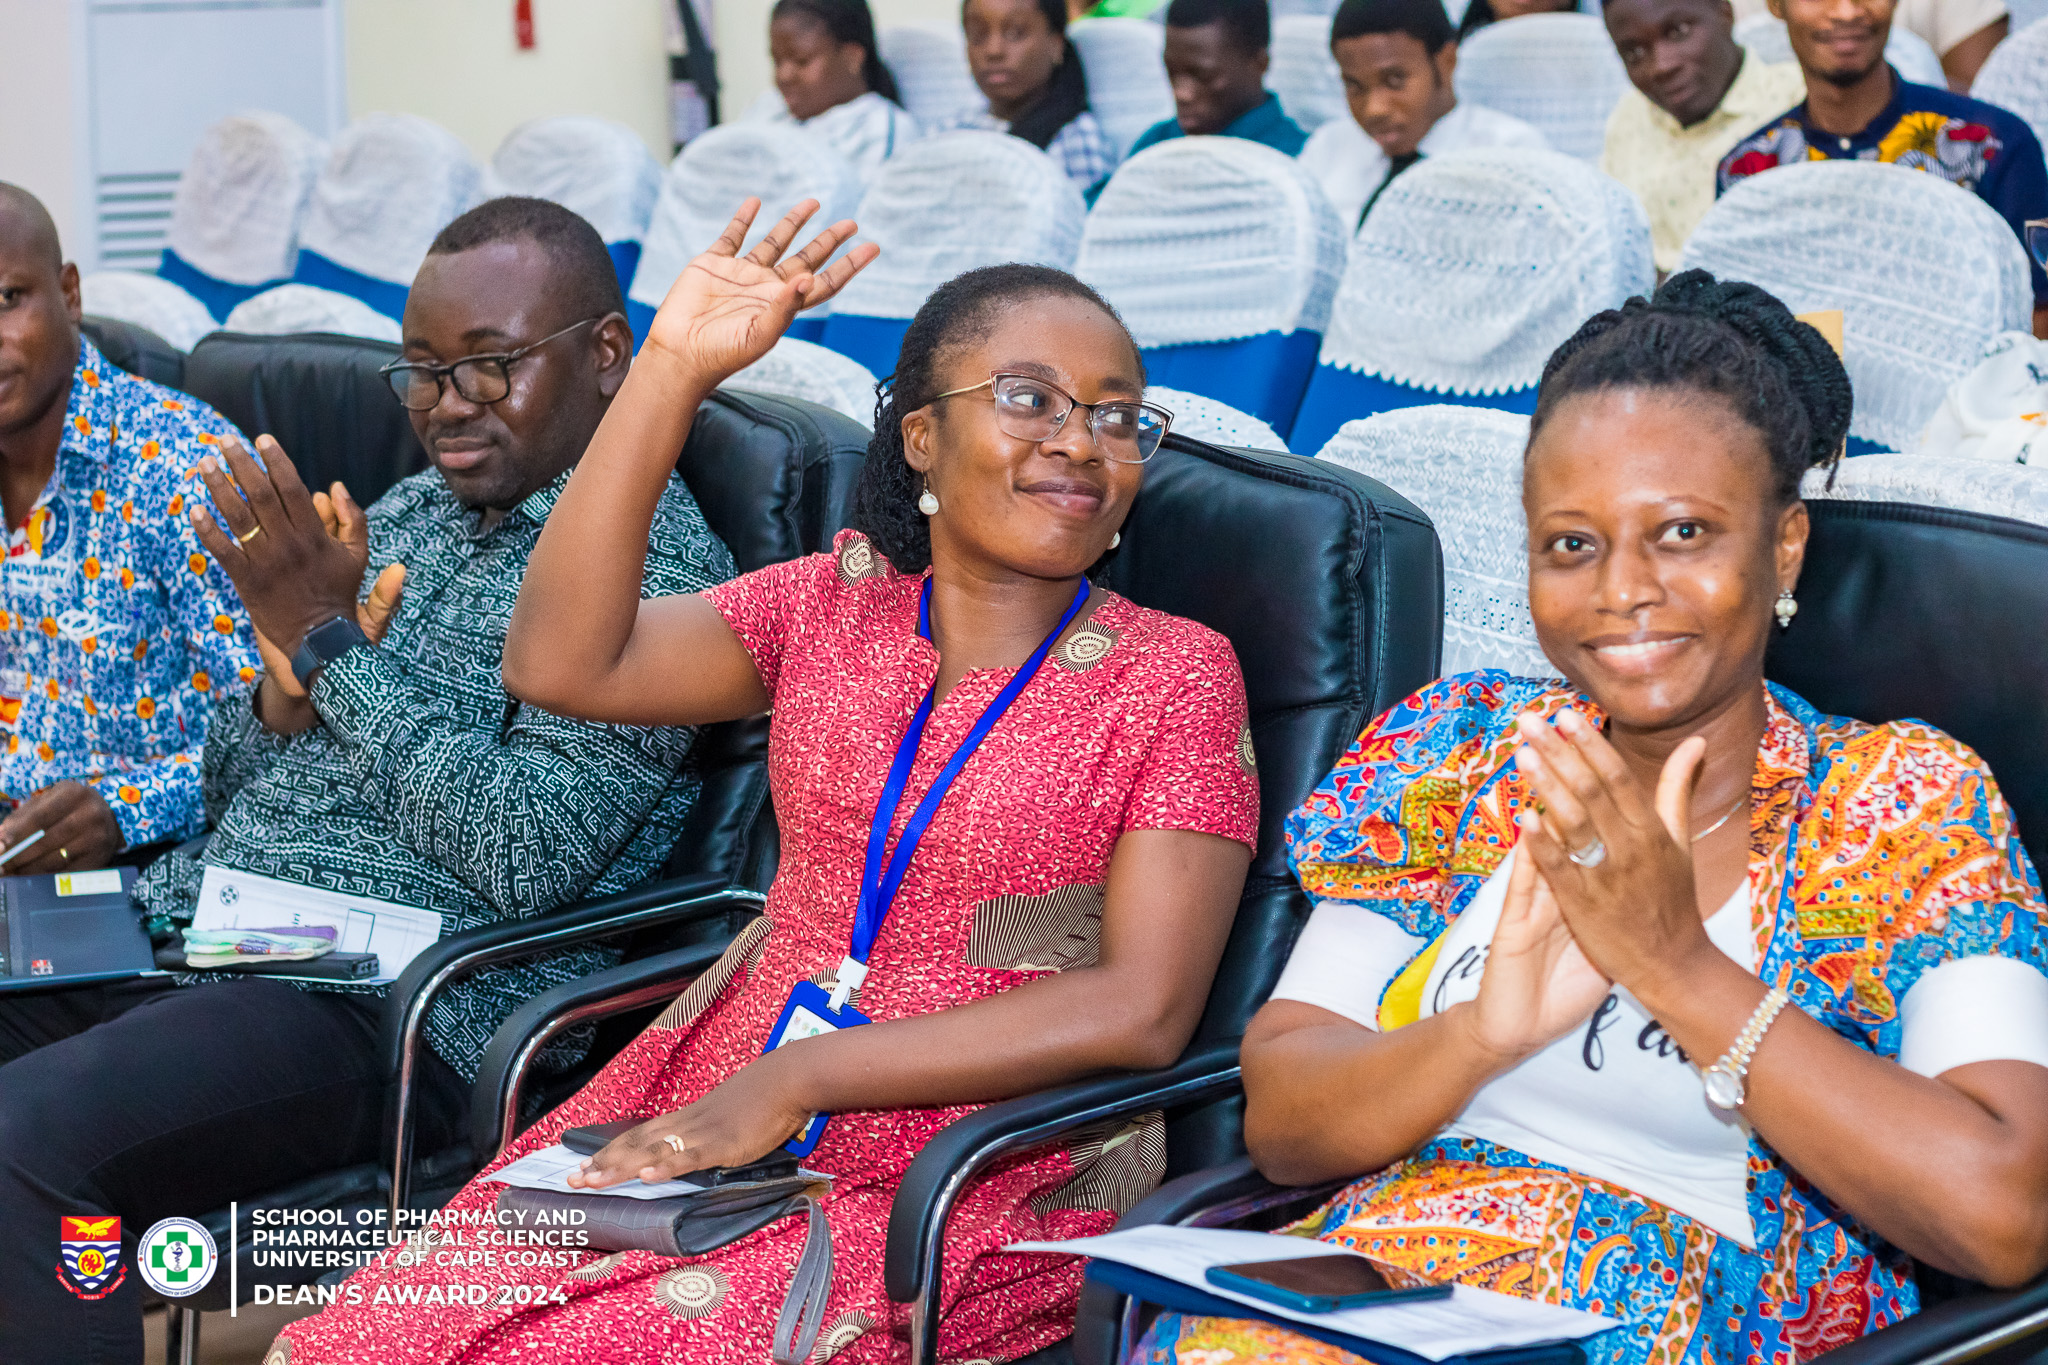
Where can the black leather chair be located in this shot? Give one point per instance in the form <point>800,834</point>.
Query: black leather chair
<point>320,395</point>
<point>137,350</point>
<point>774,477</point>
<point>1904,611</point>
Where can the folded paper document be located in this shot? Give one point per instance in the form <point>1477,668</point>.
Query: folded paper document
<point>238,902</point>
<point>1472,1323</point>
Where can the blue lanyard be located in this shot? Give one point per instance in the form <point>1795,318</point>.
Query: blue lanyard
<point>878,884</point>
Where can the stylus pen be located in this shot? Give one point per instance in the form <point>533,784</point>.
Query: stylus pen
<point>25,843</point>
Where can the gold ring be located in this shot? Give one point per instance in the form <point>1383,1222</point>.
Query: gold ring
<point>1540,809</point>
<point>675,1142</point>
<point>244,540</point>
<point>65,854</point>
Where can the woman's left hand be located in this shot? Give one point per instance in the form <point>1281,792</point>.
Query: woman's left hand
<point>742,1120</point>
<point>1634,912</point>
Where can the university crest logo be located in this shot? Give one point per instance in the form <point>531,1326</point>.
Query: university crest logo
<point>90,1249</point>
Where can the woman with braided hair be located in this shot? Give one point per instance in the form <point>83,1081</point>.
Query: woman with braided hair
<point>1043,793</point>
<point>1650,990</point>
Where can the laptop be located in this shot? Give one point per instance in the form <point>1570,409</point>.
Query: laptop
<point>71,926</point>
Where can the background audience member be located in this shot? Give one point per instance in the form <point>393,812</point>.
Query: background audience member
<point>397,770</point>
<point>1697,93</point>
<point>1216,58</point>
<point>832,82</point>
<point>1857,106</point>
<point>1032,79</point>
<point>119,633</point>
<point>1513,1013</point>
<point>1105,825</point>
<point>1398,58</point>
<point>1961,32</point>
<point>1480,13</point>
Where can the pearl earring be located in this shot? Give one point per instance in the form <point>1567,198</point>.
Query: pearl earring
<point>1786,609</point>
<point>928,502</point>
<point>1116,538</point>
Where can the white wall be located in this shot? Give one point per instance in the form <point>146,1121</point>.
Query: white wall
<point>41,118</point>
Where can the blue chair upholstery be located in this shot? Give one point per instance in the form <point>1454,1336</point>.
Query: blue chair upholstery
<point>1337,395</point>
<point>874,342</point>
<point>220,296</point>
<point>383,295</point>
<point>1264,375</point>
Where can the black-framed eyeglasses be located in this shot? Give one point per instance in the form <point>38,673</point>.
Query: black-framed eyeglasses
<point>478,378</point>
<point>1033,409</point>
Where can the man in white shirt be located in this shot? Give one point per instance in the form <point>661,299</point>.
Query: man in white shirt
<point>1398,58</point>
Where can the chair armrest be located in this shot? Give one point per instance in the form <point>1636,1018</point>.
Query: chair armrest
<point>936,1178</point>
<point>1961,1329</point>
<point>494,1103</point>
<point>675,901</point>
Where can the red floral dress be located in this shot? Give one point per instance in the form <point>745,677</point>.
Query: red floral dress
<point>1137,721</point>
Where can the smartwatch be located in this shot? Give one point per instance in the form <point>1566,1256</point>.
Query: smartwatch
<point>323,645</point>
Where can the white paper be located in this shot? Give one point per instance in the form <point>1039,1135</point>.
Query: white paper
<point>1470,1320</point>
<point>243,900</point>
<point>549,1169</point>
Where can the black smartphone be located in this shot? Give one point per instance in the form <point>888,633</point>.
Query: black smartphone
<point>592,1138</point>
<point>1319,1284</point>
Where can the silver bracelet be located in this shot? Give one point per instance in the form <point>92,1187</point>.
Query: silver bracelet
<point>1723,1080</point>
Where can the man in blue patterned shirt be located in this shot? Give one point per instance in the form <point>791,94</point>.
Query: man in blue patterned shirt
<point>389,765</point>
<point>116,630</point>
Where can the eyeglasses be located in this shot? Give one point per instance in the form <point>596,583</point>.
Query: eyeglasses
<point>478,378</point>
<point>1033,410</point>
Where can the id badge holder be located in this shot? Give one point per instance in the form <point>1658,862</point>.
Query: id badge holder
<point>808,1014</point>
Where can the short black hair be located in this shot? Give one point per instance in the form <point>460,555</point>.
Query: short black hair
<point>1248,21</point>
<point>959,312</point>
<point>1721,337</point>
<point>1422,20</point>
<point>589,283</point>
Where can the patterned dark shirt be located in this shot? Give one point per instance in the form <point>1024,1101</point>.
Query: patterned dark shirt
<point>1971,144</point>
<point>119,629</point>
<point>427,785</point>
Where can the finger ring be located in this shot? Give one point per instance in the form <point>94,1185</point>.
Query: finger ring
<point>244,540</point>
<point>65,854</point>
<point>675,1142</point>
<point>1541,809</point>
<point>1592,855</point>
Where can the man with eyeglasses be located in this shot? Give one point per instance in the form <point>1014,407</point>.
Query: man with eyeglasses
<point>378,757</point>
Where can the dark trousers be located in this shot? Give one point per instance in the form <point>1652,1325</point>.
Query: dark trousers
<point>147,1101</point>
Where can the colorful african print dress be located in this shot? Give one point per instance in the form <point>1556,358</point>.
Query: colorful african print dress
<point>1877,854</point>
<point>1137,722</point>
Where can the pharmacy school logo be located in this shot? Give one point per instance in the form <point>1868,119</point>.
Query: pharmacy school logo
<point>90,1256</point>
<point>176,1257</point>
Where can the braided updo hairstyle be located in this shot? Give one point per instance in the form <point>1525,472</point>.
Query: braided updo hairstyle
<point>1722,337</point>
<point>960,312</point>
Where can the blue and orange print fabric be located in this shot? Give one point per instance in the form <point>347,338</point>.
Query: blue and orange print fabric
<point>1876,853</point>
<point>120,630</point>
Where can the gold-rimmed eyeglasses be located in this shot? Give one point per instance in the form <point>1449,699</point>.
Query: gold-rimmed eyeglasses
<point>479,378</point>
<point>1034,409</point>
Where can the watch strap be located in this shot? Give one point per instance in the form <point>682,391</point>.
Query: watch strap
<point>323,645</point>
<point>1725,1079</point>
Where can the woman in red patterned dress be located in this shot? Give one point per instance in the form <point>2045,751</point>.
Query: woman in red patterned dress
<point>1067,905</point>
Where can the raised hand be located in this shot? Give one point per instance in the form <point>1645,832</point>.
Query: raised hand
<point>725,310</point>
<point>1538,985</point>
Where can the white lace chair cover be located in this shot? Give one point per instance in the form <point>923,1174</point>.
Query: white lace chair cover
<point>1205,419</point>
<point>147,301</point>
<point>2015,77</point>
<point>1211,239</point>
<point>953,202</point>
<point>781,165</point>
<point>594,167</point>
<point>1126,69</point>
<point>237,208</point>
<point>1906,50</point>
<point>1474,266</point>
<point>303,308</point>
<point>1319,9</point>
<point>390,183</point>
<point>2000,490</point>
<point>931,71</point>
<point>800,369</point>
<point>1862,237</point>
<point>1463,466</point>
<point>1556,72</point>
<point>1303,73</point>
